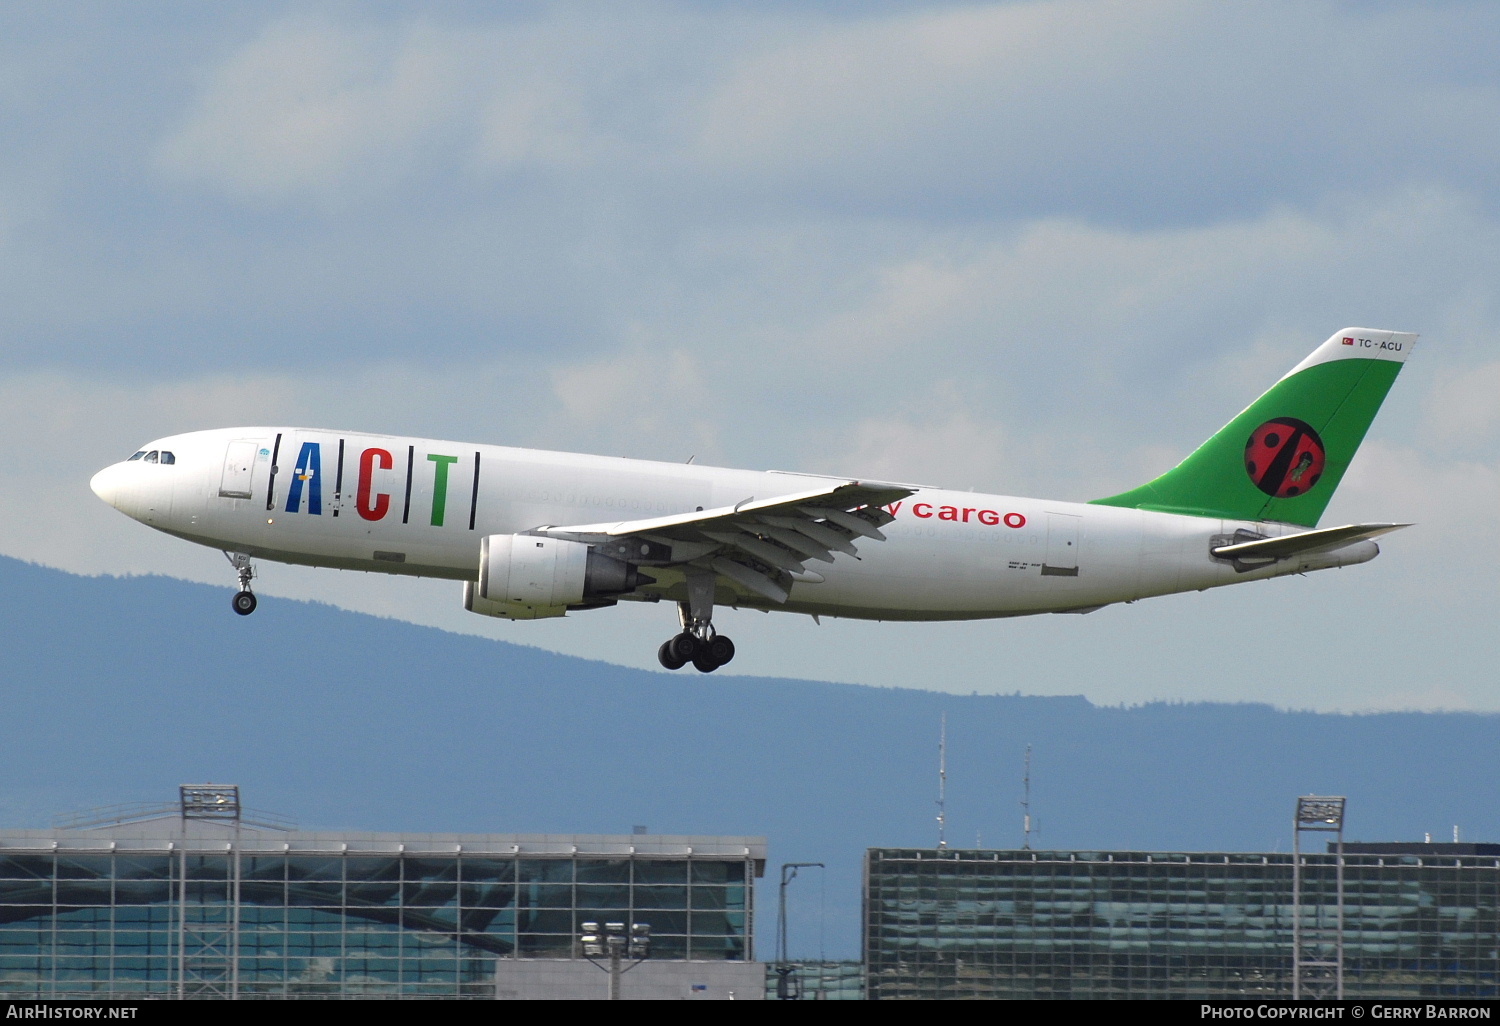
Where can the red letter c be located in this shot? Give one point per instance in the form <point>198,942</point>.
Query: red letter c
<point>368,460</point>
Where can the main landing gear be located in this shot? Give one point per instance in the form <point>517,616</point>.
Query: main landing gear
<point>706,654</point>
<point>244,600</point>
<point>698,643</point>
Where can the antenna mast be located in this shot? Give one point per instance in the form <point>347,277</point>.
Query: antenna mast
<point>942,801</point>
<point>1026,804</point>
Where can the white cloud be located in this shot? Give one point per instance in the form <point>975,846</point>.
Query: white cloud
<point>536,126</point>
<point>1146,110</point>
<point>1140,112</point>
<point>324,108</point>
<point>305,104</point>
<point>659,399</point>
<point>939,443</point>
<point>1161,335</point>
<point>1454,503</point>
<point>903,82</point>
<point>1465,409</point>
<point>343,110</point>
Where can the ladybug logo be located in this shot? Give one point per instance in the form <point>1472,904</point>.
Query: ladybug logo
<point>1285,457</point>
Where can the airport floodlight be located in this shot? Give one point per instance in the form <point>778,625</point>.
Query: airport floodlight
<point>1314,812</point>
<point>593,944</point>
<point>640,940</point>
<point>1316,975</point>
<point>210,801</point>
<point>617,944</point>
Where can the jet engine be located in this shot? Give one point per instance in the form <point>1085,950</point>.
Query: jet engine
<point>529,577</point>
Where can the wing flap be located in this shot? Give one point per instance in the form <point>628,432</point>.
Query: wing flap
<point>749,579</point>
<point>848,521</point>
<point>765,551</point>
<point>756,543</point>
<point>800,542</point>
<point>828,537</point>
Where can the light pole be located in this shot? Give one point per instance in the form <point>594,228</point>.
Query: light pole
<point>1311,966</point>
<point>785,989</point>
<point>617,945</point>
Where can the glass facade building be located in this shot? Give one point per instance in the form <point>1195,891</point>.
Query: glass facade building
<point>1419,921</point>
<point>184,908</point>
<point>820,981</point>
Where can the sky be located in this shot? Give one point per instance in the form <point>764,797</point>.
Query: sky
<point>1033,248</point>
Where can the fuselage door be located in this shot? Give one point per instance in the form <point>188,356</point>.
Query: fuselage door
<point>239,468</point>
<point>1062,545</point>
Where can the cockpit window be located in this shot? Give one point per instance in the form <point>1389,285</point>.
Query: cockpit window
<point>151,457</point>
<point>167,457</point>
<point>137,455</point>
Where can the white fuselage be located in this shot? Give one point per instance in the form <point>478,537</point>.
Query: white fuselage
<point>421,507</point>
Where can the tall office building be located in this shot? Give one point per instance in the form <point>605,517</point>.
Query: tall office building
<point>1419,921</point>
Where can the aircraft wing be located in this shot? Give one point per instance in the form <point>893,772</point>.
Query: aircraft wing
<point>1272,549</point>
<point>761,545</point>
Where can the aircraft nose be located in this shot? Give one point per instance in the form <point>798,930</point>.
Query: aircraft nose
<point>109,483</point>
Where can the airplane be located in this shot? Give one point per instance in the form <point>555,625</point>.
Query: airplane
<point>534,534</point>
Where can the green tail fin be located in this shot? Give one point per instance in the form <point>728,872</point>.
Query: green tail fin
<point>1283,457</point>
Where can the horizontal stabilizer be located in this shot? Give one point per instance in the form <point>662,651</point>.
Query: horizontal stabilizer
<point>1271,549</point>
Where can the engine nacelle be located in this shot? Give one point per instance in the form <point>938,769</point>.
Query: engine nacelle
<point>529,577</point>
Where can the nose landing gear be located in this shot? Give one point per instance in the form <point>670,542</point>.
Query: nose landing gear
<point>244,600</point>
<point>698,643</point>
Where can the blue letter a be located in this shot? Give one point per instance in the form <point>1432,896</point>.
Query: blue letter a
<point>309,464</point>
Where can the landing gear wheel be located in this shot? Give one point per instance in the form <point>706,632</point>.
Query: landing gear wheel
<point>667,657</point>
<point>698,643</point>
<point>722,650</point>
<point>685,647</point>
<point>244,601</point>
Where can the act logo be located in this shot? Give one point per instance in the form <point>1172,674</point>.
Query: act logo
<point>377,470</point>
<point>1285,457</point>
